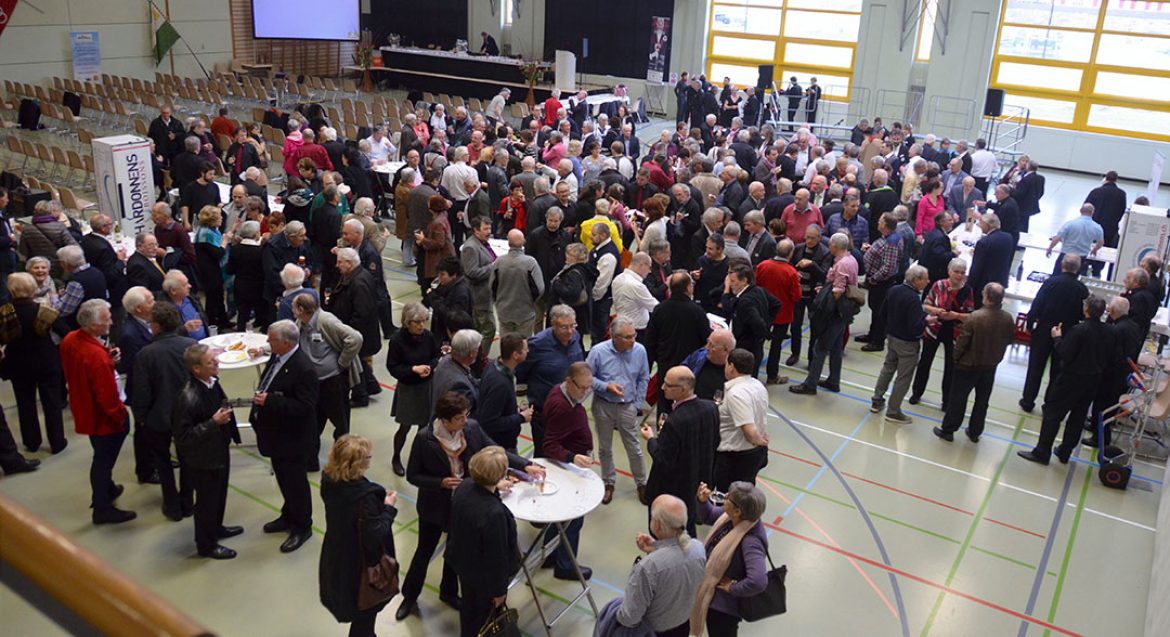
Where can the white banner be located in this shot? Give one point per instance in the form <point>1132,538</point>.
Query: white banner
<point>1155,176</point>
<point>125,181</point>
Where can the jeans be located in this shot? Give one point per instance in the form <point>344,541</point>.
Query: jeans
<point>779,333</point>
<point>901,357</point>
<point>573,533</point>
<point>623,417</point>
<point>829,345</point>
<point>980,380</point>
<point>101,470</point>
<point>408,252</point>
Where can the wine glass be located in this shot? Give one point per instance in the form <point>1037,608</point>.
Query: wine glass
<point>718,397</point>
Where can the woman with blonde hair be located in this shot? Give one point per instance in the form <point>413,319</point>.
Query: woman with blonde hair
<point>358,528</point>
<point>32,362</point>
<point>210,250</point>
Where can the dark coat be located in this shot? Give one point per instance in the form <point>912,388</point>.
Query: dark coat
<point>655,281</point>
<point>497,409</point>
<point>101,255</point>
<point>139,271</point>
<point>157,376</point>
<point>285,424</point>
<point>324,231</point>
<point>992,261</point>
<point>160,132</point>
<point>201,443</point>
<point>482,545</point>
<point>1109,205</point>
<point>1060,300</point>
<point>32,353</point>
<point>246,262</point>
<point>1143,305</point>
<point>274,255</point>
<point>428,465</point>
<point>751,317</point>
<point>677,327</point>
<point>936,253</point>
<point>548,248</point>
<point>1028,192</point>
<point>358,527</point>
<point>246,157</point>
<point>131,339</point>
<point>765,247</point>
<point>684,452</point>
<point>1009,212</point>
<point>445,299</point>
<point>353,301</point>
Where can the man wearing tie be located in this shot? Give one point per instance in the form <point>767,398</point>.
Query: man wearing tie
<point>283,416</point>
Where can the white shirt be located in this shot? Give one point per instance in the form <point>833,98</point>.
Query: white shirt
<point>625,167</point>
<point>380,151</point>
<point>455,177</point>
<point>570,179</point>
<point>631,299</point>
<point>745,401</point>
<point>983,164</point>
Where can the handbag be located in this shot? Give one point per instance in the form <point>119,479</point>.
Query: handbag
<point>769,602</point>
<point>379,582</point>
<point>501,622</point>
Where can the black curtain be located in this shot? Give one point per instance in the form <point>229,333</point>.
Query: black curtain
<point>421,23</point>
<point>618,32</point>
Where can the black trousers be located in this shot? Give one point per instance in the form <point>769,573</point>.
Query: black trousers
<point>779,333</point>
<point>429,534</point>
<point>981,186</point>
<point>297,511</point>
<point>248,307</point>
<point>26,386</point>
<point>796,333</point>
<point>363,623</point>
<point>211,486</point>
<point>980,380</point>
<point>721,624</point>
<point>457,227</point>
<point>332,405</point>
<point>1110,390</point>
<point>213,299</point>
<point>929,349</point>
<point>101,470</point>
<point>1041,353</point>
<point>158,447</point>
<point>739,466</point>
<point>369,383</point>
<point>1068,402</point>
<point>876,299</point>
<point>474,609</point>
<point>537,424</point>
<point>9,456</point>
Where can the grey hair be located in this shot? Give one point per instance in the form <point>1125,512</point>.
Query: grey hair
<point>957,264</point>
<point>711,215</point>
<point>171,280</point>
<point>755,216</point>
<point>656,246</point>
<point>640,258</point>
<point>749,500</point>
<point>554,211</point>
<point>620,321</point>
<point>356,226</point>
<point>191,144</point>
<point>407,175</point>
<point>669,519</point>
<point>731,229</point>
<point>286,331</point>
<point>992,220</point>
<point>466,343</point>
<point>349,255</point>
<point>35,260</point>
<point>841,241</point>
<point>250,230</point>
<point>71,256</point>
<point>364,206</point>
<point>413,312</point>
<point>292,276</point>
<point>134,298</point>
<point>1071,263</point>
<point>252,173</point>
<point>561,311</point>
<point>540,185</point>
<point>87,314</point>
<point>294,227</point>
<point>916,272</point>
<point>1120,305</point>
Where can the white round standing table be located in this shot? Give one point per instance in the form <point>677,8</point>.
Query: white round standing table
<point>251,340</point>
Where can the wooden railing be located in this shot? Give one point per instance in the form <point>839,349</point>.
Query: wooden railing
<point>80,581</point>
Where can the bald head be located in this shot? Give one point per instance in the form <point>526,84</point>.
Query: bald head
<point>680,383</point>
<point>515,238</point>
<point>668,517</point>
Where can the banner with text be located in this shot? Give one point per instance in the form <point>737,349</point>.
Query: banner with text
<point>658,58</point>
<point>6,9</point>
<point>87,56</point>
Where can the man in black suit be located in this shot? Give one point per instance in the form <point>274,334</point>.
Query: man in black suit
<point>681,95</point>
<point>167,133</point>
<point>793,93</point>
<point>1109,205</point>
<point>1028,192</point>
<point>1011,217</point>
<point>284,418</point>
<point>992,260</point>
<point>760,245</point>
<point>753,107</point>
<point>677,327</point>
<point>135,334</point>
<point>489,46</point>
<point>1059,302</point>
<point>142,268</point>
<point>750,308</point>
<point>102,254</point>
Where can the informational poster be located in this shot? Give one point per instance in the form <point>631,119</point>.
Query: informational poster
<point>87,56</point>
<point>125,182</point>
<point>658,58</point>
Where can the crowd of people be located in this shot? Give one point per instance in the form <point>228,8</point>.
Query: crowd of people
<point>661,279</point>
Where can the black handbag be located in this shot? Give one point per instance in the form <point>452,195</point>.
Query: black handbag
<point>501,622</point>
<point>769,602</point>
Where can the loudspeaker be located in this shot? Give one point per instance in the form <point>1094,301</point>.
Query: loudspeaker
<point>766,71</point>
<point>993,105</point>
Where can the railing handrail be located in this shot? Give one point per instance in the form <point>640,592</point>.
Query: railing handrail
<point>107,600</point>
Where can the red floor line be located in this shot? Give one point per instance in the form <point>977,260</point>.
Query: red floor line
<point>796,458</point>
<point>1016,528</point>
<point>922,580</point>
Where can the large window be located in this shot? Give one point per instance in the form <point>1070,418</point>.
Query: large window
<point>805,38</point>
<point>1094,65</point>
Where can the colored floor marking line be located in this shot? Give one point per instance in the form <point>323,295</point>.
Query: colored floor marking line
<point>266,504</point>
<point>1038,580</point>
<point>968,538</point>
<point>922,580</point>
<point>1068,549</point>
<point>828,462</point>
<point>312,483</point>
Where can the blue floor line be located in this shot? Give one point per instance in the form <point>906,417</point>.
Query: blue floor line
<point>1042,567</point>
<point>825,467</point>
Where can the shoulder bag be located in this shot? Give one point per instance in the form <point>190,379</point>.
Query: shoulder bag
<point>771,601</point>
<point>379,582</point>
<point>502,622</point>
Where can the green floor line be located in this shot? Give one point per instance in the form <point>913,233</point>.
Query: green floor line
<point>1009,559</point>
<point>1068,549</point>
<point>1008,453</point>
<point>881,357</point>
<point>264,503</point>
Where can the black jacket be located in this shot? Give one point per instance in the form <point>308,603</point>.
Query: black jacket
<point>428,465</point>
<point>285,424</point>
<point>709,287</point>
<point>274,255</point>
<point>405,351</point>
<point>765,248</point>
<point>358,527</point>
<point>455,296</point>
<point>140,271</point>
<point>677,327</point>
<point>1060,300</point>
<point>101,255</point>
<point>905,318</point>
<point>352,301</point>
<point>1086,349</point>
<point>936,254</point>
<point>157,377</point>
<point>159,132</point>
<point>246,157</point>
<point>1143,305</point>
<point>246,262</point>
<point>548,248</point>
<point>31,353</point>
<point>751,317</point>
<point>1109,206</point>
<point>536,209</point>
<point>1028,192</point>
<point>482,545</point>
<point>1009,211</point>
<point>655,282</point>
<point>992,260</point>
<point>201,443</point>
<point>684,452</point>
<point>496,411</point>
<point>1127,339</point>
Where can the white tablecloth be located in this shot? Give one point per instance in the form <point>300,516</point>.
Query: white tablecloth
<point>251,340</point>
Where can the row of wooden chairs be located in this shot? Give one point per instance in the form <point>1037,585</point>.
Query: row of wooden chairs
<point>48,159</point>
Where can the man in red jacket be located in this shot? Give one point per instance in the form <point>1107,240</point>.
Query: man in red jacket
<point>568,438</point>
<point>96,403</point>
<point>778,276</point>
<point>314,151</point>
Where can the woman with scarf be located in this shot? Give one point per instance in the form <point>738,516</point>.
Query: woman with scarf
<point>950,299</point>
<point>737,558</point>
<point>437,466</point>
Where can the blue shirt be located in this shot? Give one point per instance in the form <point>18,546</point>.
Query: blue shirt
<point>547,363</point>
<point>629,369</point>
<point>1078,235</point>
<point>188,312</point>
<point>285,311</point>
<point>858,228</point>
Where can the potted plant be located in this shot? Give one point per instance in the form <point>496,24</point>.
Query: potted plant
<point>533,72</point>
<point>363,56</point>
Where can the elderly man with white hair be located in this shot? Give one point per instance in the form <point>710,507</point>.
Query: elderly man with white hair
<point>85,282</point>
<point>453,373</point>
<point>292,278</point>
<point>353,235</point>
<point>354,301</point>
<point>364,210</point>
<point>905,322</point>
<point>495,109</point>
<point>517,282</point>
<point>831,329</point>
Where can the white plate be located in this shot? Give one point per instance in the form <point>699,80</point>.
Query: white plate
<point>233,357</point>
<point>550,488</point>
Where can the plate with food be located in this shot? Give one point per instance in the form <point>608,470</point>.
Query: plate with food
<point>546,487</point>
<point>233,356</point>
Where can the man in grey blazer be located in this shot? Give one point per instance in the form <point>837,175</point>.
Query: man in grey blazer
<point>516,284</point>
<point>479,260</point>
<point>963,196</point>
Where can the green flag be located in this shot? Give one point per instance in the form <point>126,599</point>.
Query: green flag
<point>164,36</point>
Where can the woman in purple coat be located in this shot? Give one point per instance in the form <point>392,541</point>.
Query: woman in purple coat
<point>737,553</point>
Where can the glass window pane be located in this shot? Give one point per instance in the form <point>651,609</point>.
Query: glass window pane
<point>1138,17</point>
<point>1045,109</point>
<point>746,20</point>
<point>739,74</point>
<point>827,5</point>
<point>835,85</point>
<point>797,53</point>
<point>1046,44</point>
<point>1056,13</point>
<point>822,26</point>
<point>757,3</point>
<point>1120,85</point>
<point>926,33</point>
<point>1130,119</point>
<point>743,48</point>
<point>1032,75</point>
<point>1134,51</point>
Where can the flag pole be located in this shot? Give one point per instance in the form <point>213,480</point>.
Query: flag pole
<point>171,51</point>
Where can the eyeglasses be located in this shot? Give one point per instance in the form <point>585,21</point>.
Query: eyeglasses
<point>625,337</point>
<point>565,326</point>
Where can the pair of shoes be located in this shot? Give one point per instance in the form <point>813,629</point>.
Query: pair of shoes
<point>1032,456</point>
<point>608,497</point>
<point>25,466</point>
<point>898,418</point>
<point>407,608</point>
<point>358,403</point>
<point>32,448</point>
<point>117,491</point>
<point>396,463</point>
<point>972,437</point>
<point>229,531</point>
<point>152,478</point>
<point>914,400</point>
<point>872,347</point>
<point>944,434</point>
<point>114,516</point>
<point>1090,441</point>
<point>571,576</point>
<point>861,338</point>
<point>876,405</point>
<point>452,601</point>
<point>1027,405</point>
<point>1062,456</point>
<point>777,380</point>
<point>218,553</point>
<point>801,388</point>
<point>792,360</point>
<point>373,390</point>
<point>833,387</point>
<point>295,541</point>
<point>642,493</point>
<point>276,526</point>
<point>174,515</point>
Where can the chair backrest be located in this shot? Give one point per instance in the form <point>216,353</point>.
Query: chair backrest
<point>140,127</point>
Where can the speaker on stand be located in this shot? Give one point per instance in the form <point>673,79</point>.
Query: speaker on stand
<point>993,104</point>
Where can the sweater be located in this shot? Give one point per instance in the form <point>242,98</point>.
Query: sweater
<point>567,431</point>
<point>905,318</point>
